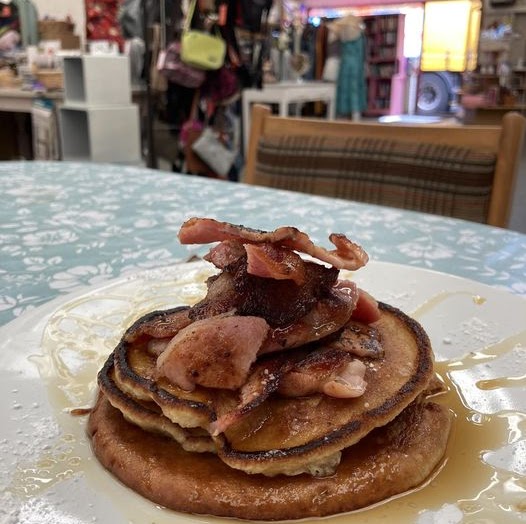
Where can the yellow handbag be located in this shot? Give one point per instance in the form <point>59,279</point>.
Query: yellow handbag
<point>200,49</point>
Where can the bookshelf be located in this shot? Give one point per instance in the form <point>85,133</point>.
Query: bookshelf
<point>385,66</point>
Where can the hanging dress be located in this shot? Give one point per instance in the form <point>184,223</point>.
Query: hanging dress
<point>351,90</point>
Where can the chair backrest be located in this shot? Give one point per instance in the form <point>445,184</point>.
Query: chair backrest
<point>447,169</point>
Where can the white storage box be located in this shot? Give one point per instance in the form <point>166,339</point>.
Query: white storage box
<point>100,133</point>
<point>97,80</point>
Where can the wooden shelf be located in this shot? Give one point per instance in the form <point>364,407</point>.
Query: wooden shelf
<point>384,57</point>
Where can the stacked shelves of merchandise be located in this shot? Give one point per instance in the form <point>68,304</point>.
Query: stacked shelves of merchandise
<point>385,66</point>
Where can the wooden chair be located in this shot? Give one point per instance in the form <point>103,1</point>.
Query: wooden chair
<point>466,172</point>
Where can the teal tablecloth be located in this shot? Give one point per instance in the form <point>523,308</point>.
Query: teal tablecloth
<point>64,226</point>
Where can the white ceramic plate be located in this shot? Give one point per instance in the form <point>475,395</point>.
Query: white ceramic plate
<point>49,358</point>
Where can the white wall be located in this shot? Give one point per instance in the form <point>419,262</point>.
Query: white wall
<point>61,8</point>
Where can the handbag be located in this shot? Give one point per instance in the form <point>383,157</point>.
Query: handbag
<point>190,132</point>
<point>175,70</point>
<point>222,85</point>
<point>212,151</point>
<point>169,63</point>
<point>199,48</point>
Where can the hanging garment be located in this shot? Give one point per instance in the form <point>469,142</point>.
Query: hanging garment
<point>351,96</point>
<point>130,18</point>
<point>28,19</point>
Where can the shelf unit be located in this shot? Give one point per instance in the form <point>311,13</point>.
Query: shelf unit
<point>95,79</point>
<point>518,85</point>
<point>98,122</point>
<point>494,79</point>
<point>385,66</point>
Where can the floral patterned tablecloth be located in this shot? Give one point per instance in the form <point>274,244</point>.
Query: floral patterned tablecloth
<point>65,226</point>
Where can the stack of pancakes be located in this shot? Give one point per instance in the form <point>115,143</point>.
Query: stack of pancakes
<point>288,457</point>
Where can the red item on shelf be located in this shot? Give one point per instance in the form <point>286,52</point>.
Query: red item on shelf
<point>102,22</point>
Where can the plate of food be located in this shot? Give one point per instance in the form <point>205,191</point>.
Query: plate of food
<point>273,380</point>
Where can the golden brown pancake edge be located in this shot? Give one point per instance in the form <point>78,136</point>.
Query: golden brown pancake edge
<point>389,461</point>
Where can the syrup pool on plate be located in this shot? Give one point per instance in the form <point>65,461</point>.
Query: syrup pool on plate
<point>481,478</point>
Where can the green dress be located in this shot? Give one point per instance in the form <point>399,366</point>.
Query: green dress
<point>351,88</point>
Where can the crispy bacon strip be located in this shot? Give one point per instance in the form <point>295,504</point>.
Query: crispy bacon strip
<point>326,317</point>
<point>347,254</point>
<point>271,261</point>
<point>263,260</point>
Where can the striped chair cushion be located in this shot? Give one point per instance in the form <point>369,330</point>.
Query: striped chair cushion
<point>434,178</point>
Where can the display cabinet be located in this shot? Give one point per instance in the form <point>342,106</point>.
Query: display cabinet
<point>385,64</point>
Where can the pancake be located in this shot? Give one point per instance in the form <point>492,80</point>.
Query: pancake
<point>148,416</point>
<point>390,460</point>
<point>291,435</point>
<point>283,394</point>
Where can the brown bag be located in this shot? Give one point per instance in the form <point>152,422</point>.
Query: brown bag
<point>190,132</point>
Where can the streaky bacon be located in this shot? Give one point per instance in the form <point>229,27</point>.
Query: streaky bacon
<point>330,371</point>
<point>328,316</point>
<point>271,261</point>
<point>226,253</point>
<point>347,254</point>
<point>263,260</point>
<point>279,302</point>
<point>221,298</point>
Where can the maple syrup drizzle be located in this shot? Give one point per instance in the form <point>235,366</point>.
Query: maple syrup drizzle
<point>464,479</point>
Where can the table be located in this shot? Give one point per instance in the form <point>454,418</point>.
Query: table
<point>69,228</point>
<point>21,104</point>
<point>284,94</point>
<point>65,226</point>
<point>15,100</point>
